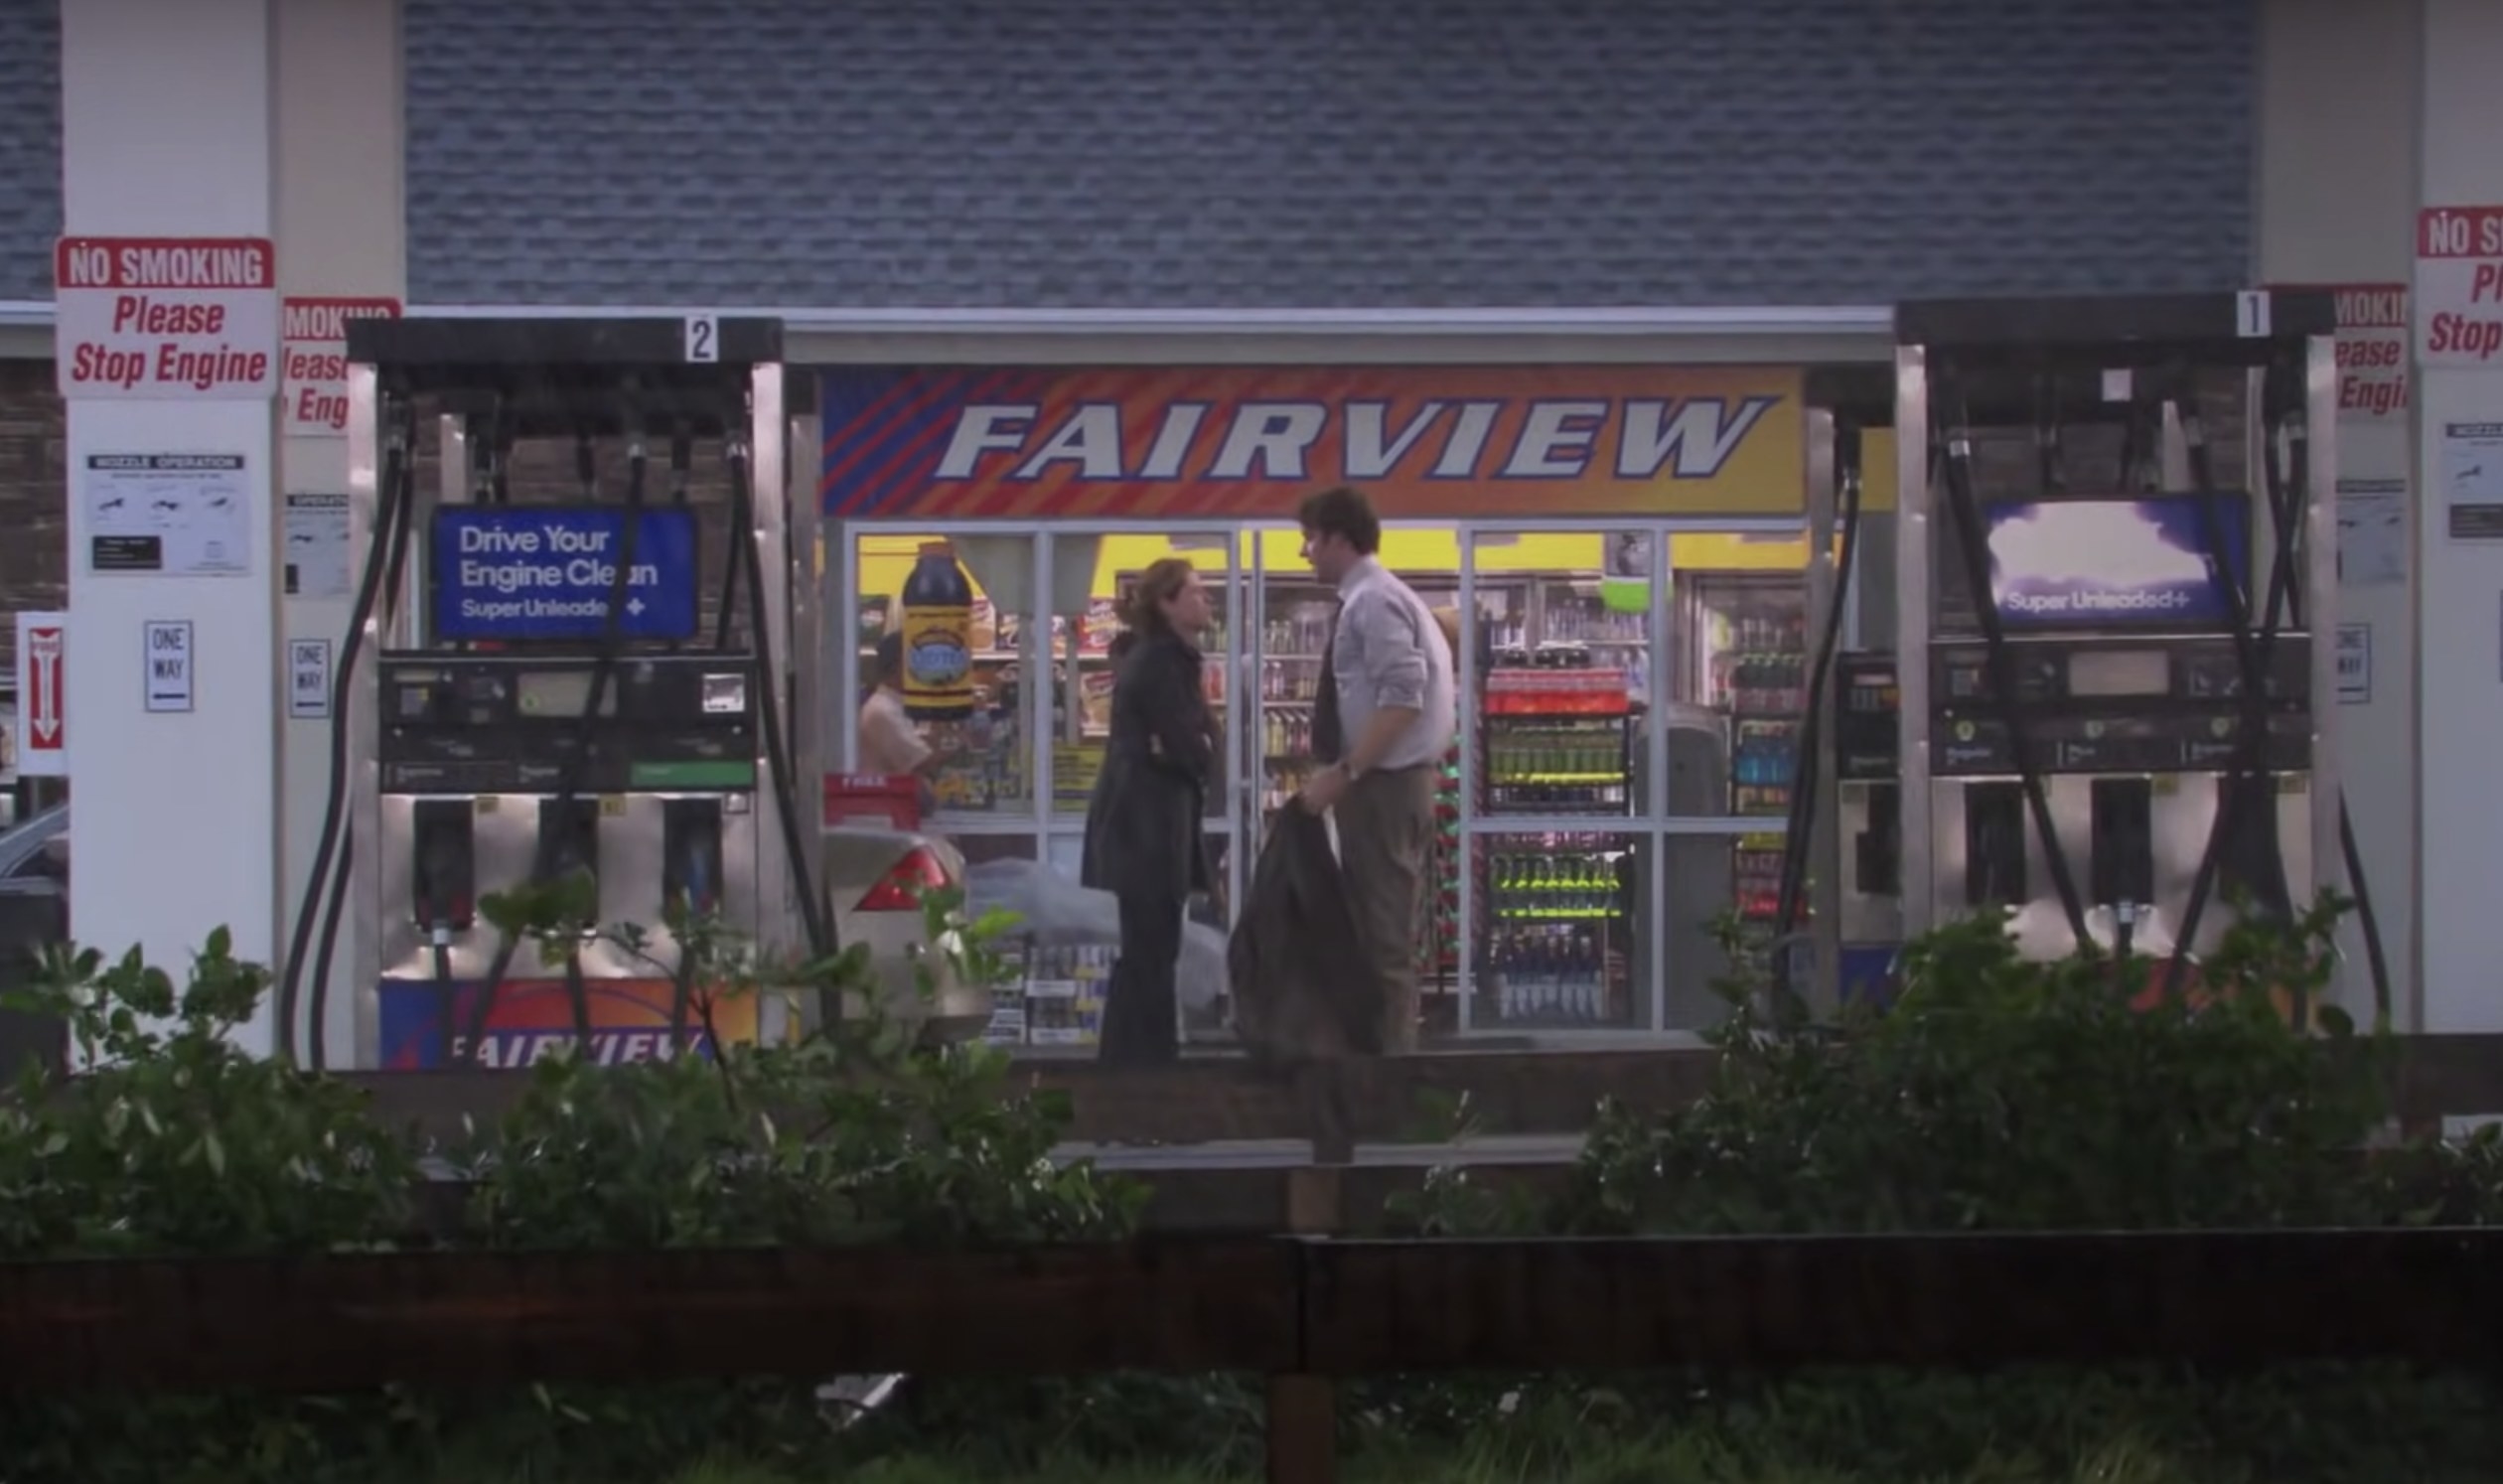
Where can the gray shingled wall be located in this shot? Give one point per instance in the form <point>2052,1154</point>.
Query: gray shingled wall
<point>1324,152</point>
<point>1285,152</point>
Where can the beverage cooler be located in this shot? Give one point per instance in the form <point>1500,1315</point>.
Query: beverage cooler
<point>1558,682</point>
<point>1555,934</point>
<point>1744,660</point>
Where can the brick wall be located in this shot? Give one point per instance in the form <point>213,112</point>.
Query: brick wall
<point>33,515</point>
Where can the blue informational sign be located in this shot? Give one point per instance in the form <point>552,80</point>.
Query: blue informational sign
<point>543,573</point>
<point>2120,564</point>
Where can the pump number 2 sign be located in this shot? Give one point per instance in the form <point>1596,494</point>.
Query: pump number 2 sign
<point>703,338</point>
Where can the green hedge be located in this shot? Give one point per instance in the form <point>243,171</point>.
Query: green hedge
<point>2000,1095</point>
<point>1994,1094</point>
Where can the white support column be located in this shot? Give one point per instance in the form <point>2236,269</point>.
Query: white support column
<point>341,253</point>
<point>2339,119</point>
<point>167,132</point>
<point>2460,538</point>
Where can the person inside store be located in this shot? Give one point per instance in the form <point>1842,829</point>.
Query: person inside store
<point>1382,720</point>
<point>891,746</point>
<point>1144,840</point>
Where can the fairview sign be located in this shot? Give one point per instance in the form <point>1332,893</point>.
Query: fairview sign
<point>1251,441</point>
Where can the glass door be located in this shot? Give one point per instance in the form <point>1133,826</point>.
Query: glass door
<point>1093,573</point>
<point>1294,611</point>
<point>1556,873</point>
<point>1286,620</point>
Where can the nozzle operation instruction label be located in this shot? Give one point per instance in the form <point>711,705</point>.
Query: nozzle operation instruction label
<point>544,574</point>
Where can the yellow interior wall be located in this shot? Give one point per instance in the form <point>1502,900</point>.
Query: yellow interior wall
<point>886,559</point>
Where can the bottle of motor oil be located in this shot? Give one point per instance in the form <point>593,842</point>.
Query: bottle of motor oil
<point>937,621</point>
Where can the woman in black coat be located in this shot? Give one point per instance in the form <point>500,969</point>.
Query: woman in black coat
<point>1144,821</point>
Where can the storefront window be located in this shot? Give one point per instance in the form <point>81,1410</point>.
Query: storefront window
<point>959,608</point>
<point>1631,667</point>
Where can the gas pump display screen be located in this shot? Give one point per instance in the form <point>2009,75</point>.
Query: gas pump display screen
<point>559,693</point>
<point>2119,564</point>
<point>2118,673</point>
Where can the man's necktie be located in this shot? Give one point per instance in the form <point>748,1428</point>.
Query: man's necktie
<point>1326,741</point>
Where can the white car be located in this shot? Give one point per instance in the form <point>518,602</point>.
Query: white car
<point>875,878</point>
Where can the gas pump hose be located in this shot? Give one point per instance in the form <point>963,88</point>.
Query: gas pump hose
<point>1968,522</point>
<point>331,858</point>
<point>2247,765</point>
<point>578,758</point>
<point>743,557</point>
<point>2289,495</point>
<point>1789,896</point>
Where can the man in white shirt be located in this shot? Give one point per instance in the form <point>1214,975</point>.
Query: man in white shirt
<point>1381,722</point>
<point>890,745</point>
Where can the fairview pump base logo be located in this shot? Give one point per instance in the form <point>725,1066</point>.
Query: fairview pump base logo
<point>424,1024</point>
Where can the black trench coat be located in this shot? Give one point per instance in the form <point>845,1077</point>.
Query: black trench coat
<point>1145,832</point>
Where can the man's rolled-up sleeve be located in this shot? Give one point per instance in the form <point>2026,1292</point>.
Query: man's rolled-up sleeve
<point>1395,667</point>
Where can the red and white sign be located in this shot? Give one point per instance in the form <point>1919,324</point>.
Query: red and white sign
<point>193,319</point>
<point>2372,349</point>
<point>313,342</point>
<point>2460,286</point>
<point>43,732</point>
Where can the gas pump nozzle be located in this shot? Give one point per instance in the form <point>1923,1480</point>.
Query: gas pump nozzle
<point>443,898</point>
<point>2123,860</point>
<point>569,840</point>
<point>690,862</point>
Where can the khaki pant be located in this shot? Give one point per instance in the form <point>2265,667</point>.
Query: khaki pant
<point>1386,828</point>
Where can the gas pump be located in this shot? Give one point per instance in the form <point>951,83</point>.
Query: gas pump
<point>1841,862</point>
<point>532,696</point>
<point>2115,546</point>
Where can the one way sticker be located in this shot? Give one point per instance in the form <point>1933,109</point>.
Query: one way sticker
<point>308,680</point>
<point>167,653</point>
